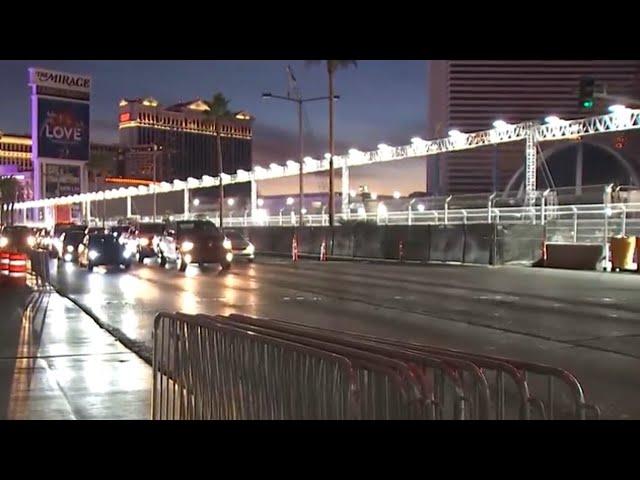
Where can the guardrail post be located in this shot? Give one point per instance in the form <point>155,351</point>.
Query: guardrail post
<point>607,212</point>
<point>624,220</point>
<point>128,206</point>
<point>446,210</point>
<point>543,205</point>
<point>186,201</point>
<point>575,224</point>
<point>490,206</point>
<point>464,216</point>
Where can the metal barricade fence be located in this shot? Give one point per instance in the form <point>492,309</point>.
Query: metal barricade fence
<point>207,370</point>
<point>544,398</point>
<point>39,267</point>
<point>240,367</point>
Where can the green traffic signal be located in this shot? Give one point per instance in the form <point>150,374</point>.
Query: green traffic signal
<point>587,104</point>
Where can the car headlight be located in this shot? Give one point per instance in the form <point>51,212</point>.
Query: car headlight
<point>251,249</point>
<point>229,257</point>
<point>31,240</point>
<point>4,241</point>
<point>186,246</point>
<point>126,253</point>
<point>144,242</point>
<point>93,254</point>
<point>69,248</point>
<point>226,244</point>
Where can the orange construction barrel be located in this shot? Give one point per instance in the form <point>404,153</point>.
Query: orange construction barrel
<point>4,263</point>
<point>622,250</point>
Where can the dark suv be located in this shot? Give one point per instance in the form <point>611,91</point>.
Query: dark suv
<point>194,241</point>
<point>147,236</point>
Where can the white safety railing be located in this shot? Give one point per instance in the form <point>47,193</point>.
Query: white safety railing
<point>568,223</point>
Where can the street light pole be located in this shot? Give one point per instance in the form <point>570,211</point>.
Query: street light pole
<point>155,200</point>
<point>299,101</point>
<point>301,157</point>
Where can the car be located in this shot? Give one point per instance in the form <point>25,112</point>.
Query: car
<point>104,249</point>
<point>95,230</point>
<point>194,241</point>
<point>71,240</point>
<point>240,246</point>
<point>147,236</point>
<point>55,248</point>
<point>17,238</point>
<point>125,235</point>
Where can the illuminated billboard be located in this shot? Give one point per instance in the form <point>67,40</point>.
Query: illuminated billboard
<point>61,180</point>
<point>63,129</point>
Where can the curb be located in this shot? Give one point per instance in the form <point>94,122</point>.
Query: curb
<point>144,352</point>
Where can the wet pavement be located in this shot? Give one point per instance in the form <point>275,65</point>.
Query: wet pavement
<point>56,363</point>
<point>585,322</point>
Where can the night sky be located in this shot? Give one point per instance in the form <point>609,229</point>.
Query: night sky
<point>382,101</point>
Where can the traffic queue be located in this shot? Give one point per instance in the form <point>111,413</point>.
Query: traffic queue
<point>183,243</point>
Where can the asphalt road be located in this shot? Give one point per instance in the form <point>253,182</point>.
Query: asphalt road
<point>585,322</point>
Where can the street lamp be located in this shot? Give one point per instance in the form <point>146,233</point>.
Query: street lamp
<point>196,202</point>
<point>299,101</point>
<point>617,108</point>
<point>396,195</point>
<point>290,201</point>
<point>260,202</point>
<point>500,124</point>
<point>554,120</point>
<point>230,201</point>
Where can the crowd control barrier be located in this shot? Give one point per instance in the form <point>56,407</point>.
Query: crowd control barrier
<point>245,368</point>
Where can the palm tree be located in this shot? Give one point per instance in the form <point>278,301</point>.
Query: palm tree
<point>332,67</point>
<point>219,108</point>
<point>9,190</point>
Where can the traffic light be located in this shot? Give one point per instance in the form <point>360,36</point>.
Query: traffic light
<point>586,99</point>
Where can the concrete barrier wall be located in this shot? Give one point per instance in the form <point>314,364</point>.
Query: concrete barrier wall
<point>574,256</point>
<point>311,239</point>
<point>417,245</point>
<point>262,238</point>
<point>479,240</point>
<point>393,235</point>
<point>446,243</point>
<point>472,243</point>
<point>518,243</point>
<point>368,240</point>
<point>343,242</point>
<point>282,239</point>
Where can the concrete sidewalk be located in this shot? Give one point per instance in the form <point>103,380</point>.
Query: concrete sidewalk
<point>56,363</point>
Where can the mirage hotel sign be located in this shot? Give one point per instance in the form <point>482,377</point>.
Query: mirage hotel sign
<point>63,81</point>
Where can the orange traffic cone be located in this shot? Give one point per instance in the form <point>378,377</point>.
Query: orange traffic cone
<point>323,251</point>
<point>294,249</point>
<point>18,269</point>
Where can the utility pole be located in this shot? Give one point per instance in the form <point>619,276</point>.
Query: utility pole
<point>297,98</point>
<point>221,187</point>
<point>155,181</point>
